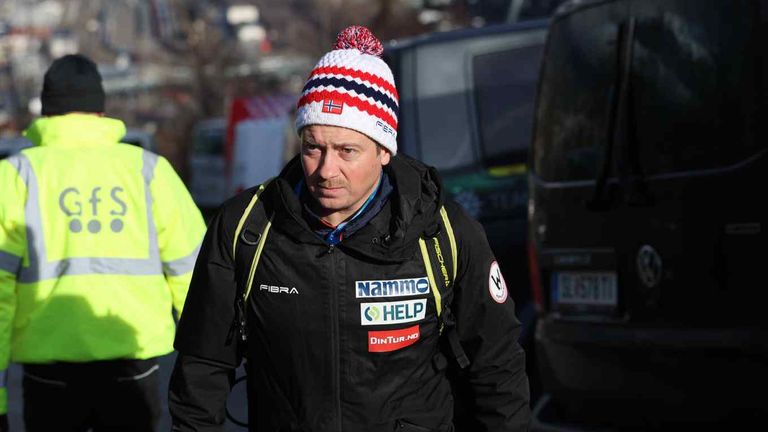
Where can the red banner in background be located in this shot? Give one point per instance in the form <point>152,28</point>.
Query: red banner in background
<point>253,108</point>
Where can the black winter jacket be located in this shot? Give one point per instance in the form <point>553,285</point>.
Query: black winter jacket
<point>320,357</point>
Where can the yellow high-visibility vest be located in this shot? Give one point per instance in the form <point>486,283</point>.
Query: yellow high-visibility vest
<point>97,244</point>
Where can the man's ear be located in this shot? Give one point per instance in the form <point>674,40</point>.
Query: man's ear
<point>386,156</point>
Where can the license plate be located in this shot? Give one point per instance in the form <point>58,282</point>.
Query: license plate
<point>584,289</point>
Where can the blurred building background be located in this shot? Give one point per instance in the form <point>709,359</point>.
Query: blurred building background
<point>168,64</point>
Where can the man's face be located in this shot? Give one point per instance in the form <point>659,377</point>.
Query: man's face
<point>341,167</point>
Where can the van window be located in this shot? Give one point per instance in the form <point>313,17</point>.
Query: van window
<point>505,90</point>
<point>685,111</point>
<point>465,94</point>
<point>691,112</point>
<point>443,106</point>
<point>575,99</point>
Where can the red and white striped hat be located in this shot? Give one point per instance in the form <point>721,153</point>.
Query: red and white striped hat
<point>352,87</point>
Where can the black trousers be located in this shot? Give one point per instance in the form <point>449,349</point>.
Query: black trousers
<point>114,396</point>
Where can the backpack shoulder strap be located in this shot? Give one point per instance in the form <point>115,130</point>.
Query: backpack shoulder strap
<point>451,239</point>
<point>432,252</point>
<point>244,217</point>
<point>247,245</point>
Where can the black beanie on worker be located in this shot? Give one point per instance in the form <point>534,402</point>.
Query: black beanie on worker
<point>72,84</point>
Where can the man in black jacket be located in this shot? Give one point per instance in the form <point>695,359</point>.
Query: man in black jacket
<point>345,327</point>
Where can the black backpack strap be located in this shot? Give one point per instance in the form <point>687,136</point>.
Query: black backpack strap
<point>248,242</point>
<point>439,253</point>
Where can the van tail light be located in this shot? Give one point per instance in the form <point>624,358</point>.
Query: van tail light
<point>535,274</point>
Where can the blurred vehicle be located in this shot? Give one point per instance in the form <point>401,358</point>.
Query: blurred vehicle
<point>466,108</point>
<point>648,172</point>
<point>521,10</point>
<point>139,138</point>
<point>208,173</point>
<point>11,145</point>
<point>256,139</point>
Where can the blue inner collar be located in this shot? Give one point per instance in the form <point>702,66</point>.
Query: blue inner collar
<point>333,236</point>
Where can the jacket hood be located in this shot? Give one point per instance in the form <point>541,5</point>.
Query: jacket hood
<point>411,212</point>
<point>75,130</point>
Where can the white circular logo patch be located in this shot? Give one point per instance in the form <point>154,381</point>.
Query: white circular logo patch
<point>496,284</point>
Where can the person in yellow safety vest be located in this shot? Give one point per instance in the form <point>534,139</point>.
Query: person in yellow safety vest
<point>98,240</point>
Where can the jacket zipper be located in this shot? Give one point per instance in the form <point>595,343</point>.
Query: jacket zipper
<point>335,337</point>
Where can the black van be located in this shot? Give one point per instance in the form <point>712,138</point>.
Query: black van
<point>647,216</point>
<point>466,108</point>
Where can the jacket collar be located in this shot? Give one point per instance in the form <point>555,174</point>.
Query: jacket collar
<point>75,130</point>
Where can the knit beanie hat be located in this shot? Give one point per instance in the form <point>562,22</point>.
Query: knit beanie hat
<point>352,87</point>
<point>72,83</point>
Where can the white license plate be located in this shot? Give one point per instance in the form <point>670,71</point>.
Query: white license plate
<point>584,288</point>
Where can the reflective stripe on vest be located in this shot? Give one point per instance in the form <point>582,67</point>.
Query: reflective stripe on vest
<point>41,269</point>
<point>3,374</point>
<point>182,265</point>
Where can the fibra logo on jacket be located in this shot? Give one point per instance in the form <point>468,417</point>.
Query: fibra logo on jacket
<point>278,289</point>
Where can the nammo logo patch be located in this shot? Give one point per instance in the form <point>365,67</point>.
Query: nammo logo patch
<point>392,288</point>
